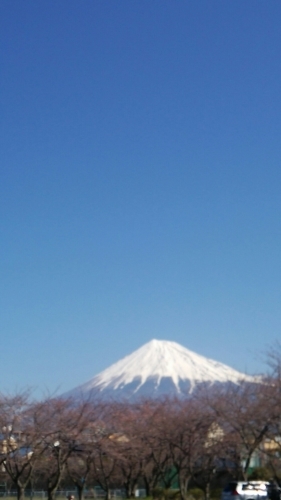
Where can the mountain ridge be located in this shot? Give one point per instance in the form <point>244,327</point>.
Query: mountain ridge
<point>158,368</point>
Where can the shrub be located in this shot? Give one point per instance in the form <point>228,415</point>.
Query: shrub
<point>260,473</point>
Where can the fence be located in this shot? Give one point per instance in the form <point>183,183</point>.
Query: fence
<point>63,494</point>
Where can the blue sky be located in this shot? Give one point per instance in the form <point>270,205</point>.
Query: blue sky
<point>140,183</point>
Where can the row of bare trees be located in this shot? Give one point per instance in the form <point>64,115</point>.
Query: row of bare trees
<point>214,434</point>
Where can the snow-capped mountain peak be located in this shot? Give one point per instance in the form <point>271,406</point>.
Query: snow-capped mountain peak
<point>158,367</point>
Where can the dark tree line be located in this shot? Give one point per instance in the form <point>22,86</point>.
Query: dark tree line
<point>216,433</point>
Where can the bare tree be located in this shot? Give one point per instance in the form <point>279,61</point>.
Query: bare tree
<point>129,422</point>
<point>105,464</point>
<point>157,465</point>
<point>243,413</point>
<point>61,422</point>
<point>22,440</point>
<point>80,464</point>
<point>271,390</point>
<point>187,435</point>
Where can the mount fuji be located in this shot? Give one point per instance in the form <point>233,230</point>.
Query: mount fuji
<point>158,368</point>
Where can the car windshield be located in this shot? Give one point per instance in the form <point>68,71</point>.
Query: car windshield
<point>254,486</point>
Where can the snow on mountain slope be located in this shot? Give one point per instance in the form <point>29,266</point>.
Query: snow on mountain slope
<point>158,368</point>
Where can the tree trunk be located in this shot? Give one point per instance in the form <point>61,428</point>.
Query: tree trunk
<point>80,490</point>
<point>183,484</point>
<point>54,481</point>
<point>51,493</point>
<point>52,488</point>
<point>130,490</point>
<point>147,487</point>
<point>207,491</point>
<point>20,492</point>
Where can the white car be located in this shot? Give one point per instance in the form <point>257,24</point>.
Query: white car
<point>246,490</point>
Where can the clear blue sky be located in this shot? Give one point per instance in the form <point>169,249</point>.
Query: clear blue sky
<point>140,183</point>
